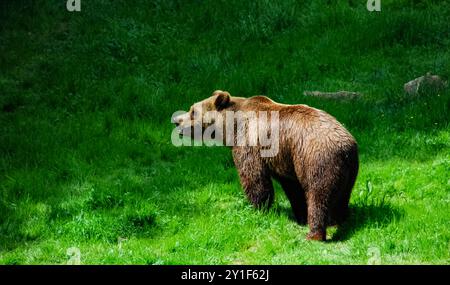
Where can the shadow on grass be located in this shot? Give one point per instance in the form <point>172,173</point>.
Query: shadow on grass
<point>366,216</point>
<point>361,216</point>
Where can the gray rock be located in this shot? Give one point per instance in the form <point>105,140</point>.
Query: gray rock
<point>427,84</point>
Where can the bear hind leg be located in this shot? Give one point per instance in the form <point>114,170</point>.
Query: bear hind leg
<point>317,201</point>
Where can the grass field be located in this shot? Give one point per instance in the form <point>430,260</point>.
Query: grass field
<point>86,159</point>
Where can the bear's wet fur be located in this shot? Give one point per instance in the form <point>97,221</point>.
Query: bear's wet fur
<point>316,163</point>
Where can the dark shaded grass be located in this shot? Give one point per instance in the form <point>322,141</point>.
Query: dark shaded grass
<point>366,216</point>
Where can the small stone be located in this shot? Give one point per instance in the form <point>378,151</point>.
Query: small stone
<point>333,95</point>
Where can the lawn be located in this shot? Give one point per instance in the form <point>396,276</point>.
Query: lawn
<point>88,171</point>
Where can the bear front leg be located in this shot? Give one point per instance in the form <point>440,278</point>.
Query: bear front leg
<point>296,196</point>
<point>254,176</point>
<point>258,189</point>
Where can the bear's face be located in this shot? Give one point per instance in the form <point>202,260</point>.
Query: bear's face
<point>203,114</point>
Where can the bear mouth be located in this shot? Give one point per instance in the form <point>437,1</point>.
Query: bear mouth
<point>196,134</point>
<point>182,132</point>
<point>189,132</point>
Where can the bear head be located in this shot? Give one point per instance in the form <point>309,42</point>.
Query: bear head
<point>203,115</point>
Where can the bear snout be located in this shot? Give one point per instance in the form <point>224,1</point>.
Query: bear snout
<point>177,120</point>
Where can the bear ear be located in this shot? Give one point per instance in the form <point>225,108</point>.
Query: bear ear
<point>222,100</point>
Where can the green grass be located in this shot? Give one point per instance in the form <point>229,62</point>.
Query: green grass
<point>85,154</point>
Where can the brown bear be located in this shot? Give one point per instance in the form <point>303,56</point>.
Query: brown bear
<point>316,161</point>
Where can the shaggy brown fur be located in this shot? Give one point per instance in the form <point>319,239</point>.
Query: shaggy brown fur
<point>316,165</point>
